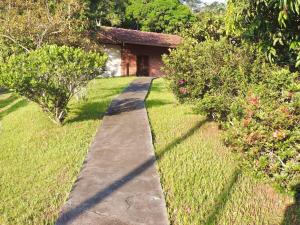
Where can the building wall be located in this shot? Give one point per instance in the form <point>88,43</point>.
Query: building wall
<point>129,59</point>
<point>113,64</point>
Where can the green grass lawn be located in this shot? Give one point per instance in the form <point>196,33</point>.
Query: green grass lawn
<point>39,160</point>
<point>201,179</point>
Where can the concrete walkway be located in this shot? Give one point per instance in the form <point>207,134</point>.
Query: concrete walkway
<point>119,184</point>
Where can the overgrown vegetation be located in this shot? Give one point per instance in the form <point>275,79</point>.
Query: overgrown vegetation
<point>257,103</point>
<point>40,160</point>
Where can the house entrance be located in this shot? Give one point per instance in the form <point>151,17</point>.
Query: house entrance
<point>142,65</point>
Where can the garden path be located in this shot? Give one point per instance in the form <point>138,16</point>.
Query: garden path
<point>119,184</point>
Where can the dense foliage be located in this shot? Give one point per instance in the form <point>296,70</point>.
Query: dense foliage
<point>28,25</point>
<point>217,74</point>
<point>106,12</point>
<point>256,103</point>
<point>158,15</point>
<point>265,125</point>
<point>209,25</point>
<point>274,25</point>
<point>51,75</point>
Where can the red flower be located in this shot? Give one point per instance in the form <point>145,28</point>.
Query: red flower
<point>253,100</point>
<point>182,82</point>
<point>183,90</point>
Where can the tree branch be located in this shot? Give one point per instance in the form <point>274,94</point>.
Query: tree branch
<point>13,40</point>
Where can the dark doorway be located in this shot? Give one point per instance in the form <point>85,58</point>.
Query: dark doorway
<point>142,65</point>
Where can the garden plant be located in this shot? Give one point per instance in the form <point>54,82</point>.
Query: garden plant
<point>228,78</point>
<point>51,75</point>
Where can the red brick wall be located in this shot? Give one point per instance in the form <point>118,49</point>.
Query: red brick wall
<point>129,59</point>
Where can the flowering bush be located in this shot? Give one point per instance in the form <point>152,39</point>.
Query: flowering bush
<point>267,127</point>
<point>213,73</point>
<point>256,103</point>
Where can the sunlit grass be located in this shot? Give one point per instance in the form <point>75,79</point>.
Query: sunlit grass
<point>39,160</point>
<point>201,179</point>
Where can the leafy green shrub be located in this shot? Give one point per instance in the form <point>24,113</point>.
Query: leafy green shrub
<point>51,75</point>
<point>213,73</point>
<point>256,103</point>
<point>267,127</point>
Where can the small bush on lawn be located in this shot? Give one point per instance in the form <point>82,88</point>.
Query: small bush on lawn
<point>256,103</point>
<point>51,75</point>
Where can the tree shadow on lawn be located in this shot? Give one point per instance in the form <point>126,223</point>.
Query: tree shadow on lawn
<point>15,106</point>
<point>292,212</point>
<point>7,101</point>
<point>97,110</point>
<point>88,111</point>
<point>73,213</point>
<point>222,199</point>
<point>157,103</point>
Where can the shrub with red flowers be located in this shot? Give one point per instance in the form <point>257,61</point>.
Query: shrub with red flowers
<point>256,103</point>
<point>268,129</point>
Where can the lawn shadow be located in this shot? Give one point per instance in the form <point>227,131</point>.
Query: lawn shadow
<point>159,88</point>
<point>292,212</point>
<point>3,91</point>
<point>157,103</point>
<point>7,101</point>
<point>88,111</point>
<point>71,214</point>
<point>96,110</point>
<point>223,198</point>
<point>13,107</point>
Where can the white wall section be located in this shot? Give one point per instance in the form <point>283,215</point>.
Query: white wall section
<point>113,64</point>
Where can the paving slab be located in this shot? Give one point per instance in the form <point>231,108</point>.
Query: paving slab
<point>119,184</point>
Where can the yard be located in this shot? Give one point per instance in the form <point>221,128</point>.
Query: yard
<point>201,179</point>
<point>41,160</point>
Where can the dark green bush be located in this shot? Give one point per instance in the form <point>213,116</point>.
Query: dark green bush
<point>51,75</point>
<point>256,103</point>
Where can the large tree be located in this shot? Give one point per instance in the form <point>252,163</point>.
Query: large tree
<point>28,25</point>
<point>158,15</point>
<point>273,24</point>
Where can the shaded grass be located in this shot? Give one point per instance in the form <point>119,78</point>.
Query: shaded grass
<point>201,178</point>
<point>39,160</point>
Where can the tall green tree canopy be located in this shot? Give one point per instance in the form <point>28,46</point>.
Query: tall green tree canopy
<point>274,24</point>
<point>107,12</point>
<point>158,15</point>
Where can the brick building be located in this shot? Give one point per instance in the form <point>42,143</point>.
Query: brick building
<point>133,52</point>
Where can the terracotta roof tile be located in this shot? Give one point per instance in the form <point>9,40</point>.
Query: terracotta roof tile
<point>111,35</point>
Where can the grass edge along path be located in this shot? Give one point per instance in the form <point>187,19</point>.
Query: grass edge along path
<point>40,160</point>
<point>200,177</point>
